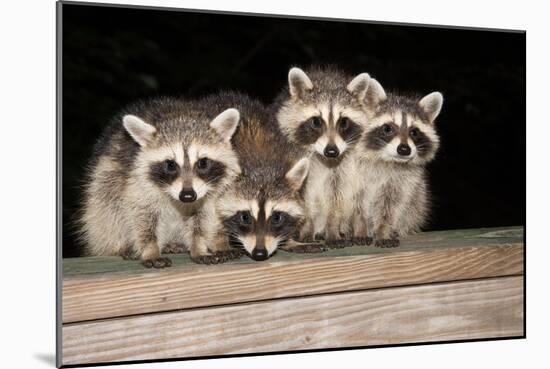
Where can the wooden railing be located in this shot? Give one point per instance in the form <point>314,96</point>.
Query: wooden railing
<point>450,285</point>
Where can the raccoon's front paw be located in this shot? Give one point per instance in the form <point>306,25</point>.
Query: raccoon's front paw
<point>307,248</point>
<point>205,259</point>
<point>387,243</point>
<point>362,241</point>
<point>337,244</point>
<point>227,255</point>
<point>217,257</point>
<point>158,263</point>
<point>173,248</point>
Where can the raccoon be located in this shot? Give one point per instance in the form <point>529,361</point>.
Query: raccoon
<point>264,206</point>
<point>323,111</point>
<point>392,154</point>
<point>154,177</point>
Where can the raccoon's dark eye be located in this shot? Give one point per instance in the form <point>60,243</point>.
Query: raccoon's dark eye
<point>414,132</point>
<point>170,166</point>
<point>388,129</point>
<point>245,217</point>
<point>203,164</point>
<point>316,122</point>
<point>344,123</point>
<point>277,218</point>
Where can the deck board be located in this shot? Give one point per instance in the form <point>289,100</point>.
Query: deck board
<point>444,311</point>
<point>107,287</point>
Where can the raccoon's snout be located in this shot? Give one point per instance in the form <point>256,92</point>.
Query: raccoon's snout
<point>188,195</point>
<point>404,150</point>
<point>331,151</point>
<point>259,254</point>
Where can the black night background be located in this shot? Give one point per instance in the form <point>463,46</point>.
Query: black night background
<point>113,56</point>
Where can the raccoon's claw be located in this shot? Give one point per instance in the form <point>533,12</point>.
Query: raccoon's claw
<point>173,248</point>
<point>387,243</point>
<point>157,263</point>
<point>362,241</point>
<point>308,248</point>
<point>336,244</point>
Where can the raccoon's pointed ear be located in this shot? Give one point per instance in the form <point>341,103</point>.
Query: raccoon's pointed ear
<point>298,82</point>
<point>298,173</point>
<point>359,85</point>
<point>431,105</point>
<point>226,123</point>
<point>375,93</point>
<point>143,133</point>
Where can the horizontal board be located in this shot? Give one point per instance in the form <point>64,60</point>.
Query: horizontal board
<point>97,296</point>
<point>486,308</point>
<point>86,266</point>
<point>121,295</point>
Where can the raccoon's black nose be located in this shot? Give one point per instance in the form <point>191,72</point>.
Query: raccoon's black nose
<point>188,195</point>
<point>259,254</point>
<point>404,150</point>
<point>331,151</point>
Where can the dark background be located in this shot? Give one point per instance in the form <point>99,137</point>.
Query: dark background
<point>113,56</point>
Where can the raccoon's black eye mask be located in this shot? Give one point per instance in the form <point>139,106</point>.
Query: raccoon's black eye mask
<point>380,136</point>
<point>422,142</point>
<point>278,224</point>
<point>209,170</point>
<point>348,129</point>
<point>309,131</point>
<point>164,172</point>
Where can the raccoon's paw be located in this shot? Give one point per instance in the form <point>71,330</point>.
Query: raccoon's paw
<point>173,248</point>
<point>227,255</point>
<point>361,241</point>
<point>157,263</point>
<point>387,243</point>
<point>308,248</point>
<point>205,259</point>
<point>337,244</point>
<point>218,257</point>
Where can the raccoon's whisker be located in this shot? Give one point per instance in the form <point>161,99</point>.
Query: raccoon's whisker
<point>205,184</point>
<point>232,234</point>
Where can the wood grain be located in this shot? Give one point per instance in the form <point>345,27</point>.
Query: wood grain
<point>426,241</point>
<point>447,311</point>
<point>112,295</point>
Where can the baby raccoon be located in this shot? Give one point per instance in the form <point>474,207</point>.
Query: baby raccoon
<point>155,175</point>
<point>264,205</point>
<point>400,141</point>
<point>323,112</point>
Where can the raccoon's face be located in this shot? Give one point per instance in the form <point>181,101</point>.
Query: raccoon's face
<point>402,129</point>
<point>261,220</point>
<point>325,115</point>
<point>187,167</point>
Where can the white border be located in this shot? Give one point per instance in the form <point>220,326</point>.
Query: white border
<point>27,154</point>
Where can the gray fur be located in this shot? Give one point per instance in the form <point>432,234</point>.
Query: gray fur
<point>394,199</point>
<point>266,157</point>
<point>124,211</point>
<point>328,194</point>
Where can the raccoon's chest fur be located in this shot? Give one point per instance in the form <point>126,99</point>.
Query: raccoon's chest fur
<point>394,195</point>
<point>328,197</point>
<point>174,226</point>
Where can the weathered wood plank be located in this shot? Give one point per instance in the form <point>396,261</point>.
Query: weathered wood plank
<point>422,241</point>
<point>448,311</point>
<point>96,296</point>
